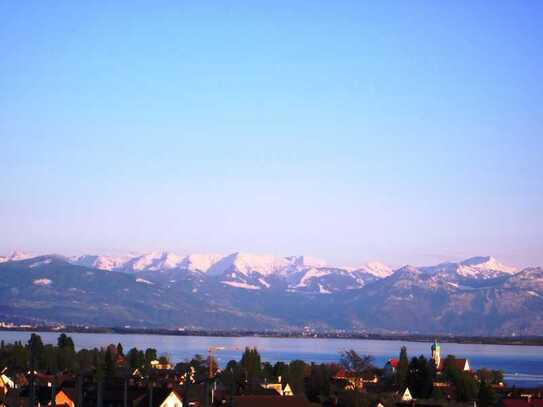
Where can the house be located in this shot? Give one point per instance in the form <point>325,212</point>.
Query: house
<point>65,397</point>
<point>283,389</point>
<point>461,364</point>
<point>354,380</point>
<point>161,398</point>
<point>6,383</point>
<point>156,364</point>
<point>347,380</point>
<point>272,401</point>
<point>406,395</point>
<point>287,390</point>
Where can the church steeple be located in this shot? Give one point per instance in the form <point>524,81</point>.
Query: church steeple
<point>436,353</point>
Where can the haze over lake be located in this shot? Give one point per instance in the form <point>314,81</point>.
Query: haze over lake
<point>523,365</point>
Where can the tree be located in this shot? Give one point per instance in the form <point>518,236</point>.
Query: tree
<point>490,376</point>
<point>465,385</point>
<point>109,363</point>
<point>35,346</point>
<point>497,376</point>
<point>120,349</point>
<point>280,370</point>
<point>136,358</point>
<point>318,384</point>
<point>267,371</point>
<point>199,365</point>
<point>355,363</point>
<point>66,353</point>
<point>487,396</point>
<point>150,355</point>
<point>64,341</point>
<point>403,369</point>
<point>296,376</point>
<point>232,378</point>
<point>420,377</point>
<point>86,359</point>
<point>251,364</point>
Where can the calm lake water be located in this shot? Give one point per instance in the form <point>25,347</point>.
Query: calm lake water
<point>523,365</point>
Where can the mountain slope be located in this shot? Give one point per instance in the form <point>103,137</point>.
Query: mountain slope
<point>50,290</point>
<point>263,292</point>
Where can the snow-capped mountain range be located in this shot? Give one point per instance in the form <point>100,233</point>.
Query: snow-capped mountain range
<point>245,270</point>
<point>293,273</point>
<point>478,295</point>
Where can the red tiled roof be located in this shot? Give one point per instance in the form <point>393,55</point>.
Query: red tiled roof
<point>393,363</point>
<point>522,403</point>
<point>340,374</point>
<point>459,363</point>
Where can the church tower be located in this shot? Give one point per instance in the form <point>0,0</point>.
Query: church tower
<point>436,353</point>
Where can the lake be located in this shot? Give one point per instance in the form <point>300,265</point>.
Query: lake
<point>523,365</point>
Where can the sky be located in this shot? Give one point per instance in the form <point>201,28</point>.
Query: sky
<point>405,132</point>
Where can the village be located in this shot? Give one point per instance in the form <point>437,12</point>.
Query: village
<point>34,374</point>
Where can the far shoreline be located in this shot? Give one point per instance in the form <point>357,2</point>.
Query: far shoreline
<point>475,340</point>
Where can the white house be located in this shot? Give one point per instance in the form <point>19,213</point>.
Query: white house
<point>172,400</point>
<point>5,381</point>
<point>283,389</point>
<point>406,395</point>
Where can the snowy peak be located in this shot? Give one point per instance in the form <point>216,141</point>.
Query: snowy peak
<point>199,262</point>
<point>246,264</point>
<point>474,268</point>
<point>485,266</point>
<point>19,255</point>
<point>306,261</point>
<point>108,263</point>
<point>16,256</point>
<point>309,275</point>
<point>326,280</point>
<point>407,270</point>
<point>377,269</point>
<point>155,261</point>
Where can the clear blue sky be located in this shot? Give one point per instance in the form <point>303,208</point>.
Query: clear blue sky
<point>408,132</point>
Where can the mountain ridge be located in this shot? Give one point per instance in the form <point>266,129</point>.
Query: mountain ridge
<point>299,293</point>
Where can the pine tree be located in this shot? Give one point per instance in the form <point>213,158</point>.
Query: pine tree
<point>251,364</point>
<point>64,341</point>
<point>66,353</point>
<point>136,358</point>
<point>296,376</point>
<point>403,369</point>
<point>36,348</point>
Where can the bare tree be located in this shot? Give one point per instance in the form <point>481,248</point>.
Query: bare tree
<point>356,366</point>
